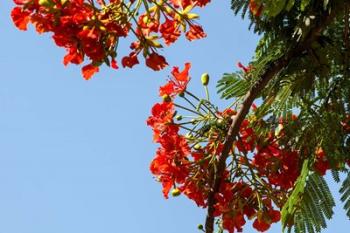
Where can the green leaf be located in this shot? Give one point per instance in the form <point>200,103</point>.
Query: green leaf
<point>290,4</point>
<point>304,4</point>
<point>274,7</point>
<point>345,191</point>
<point>315,205</point>
<point>232,85</point>
<point>290,207</point>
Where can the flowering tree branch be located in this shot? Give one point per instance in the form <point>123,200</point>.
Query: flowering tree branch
<point>273,69</point>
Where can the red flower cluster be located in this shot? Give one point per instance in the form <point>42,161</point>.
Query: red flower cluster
<point>171,164</point>
<point>232,204</point>
<point>90,30</point>
<point>184,164</point>
<point>77,26</point>
<point>266,217</point>
<point>321,164</point>
<point>261,168</point>
<point>280,166</point>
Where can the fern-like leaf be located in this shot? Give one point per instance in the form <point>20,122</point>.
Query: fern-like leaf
<point>232,85</point>
<point>309,206</point>
<point>345,192</point>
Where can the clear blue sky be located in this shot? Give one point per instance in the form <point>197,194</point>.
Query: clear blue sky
<point>74,154</point>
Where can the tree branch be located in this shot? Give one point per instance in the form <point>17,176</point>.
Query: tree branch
<point>273,69</point>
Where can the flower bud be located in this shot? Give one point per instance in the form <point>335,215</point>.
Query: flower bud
<point>46,3</point>
<point>197,146</point>
<point>166,98</point>
<point>200,227</point>
<point>279,129</point>
<point>194,121</point>
<point>220,121</point>
<point>178,117</point>
<point>205,79</point>
<point>176,192</point>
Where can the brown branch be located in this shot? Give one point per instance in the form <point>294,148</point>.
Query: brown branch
<point>271,71</point>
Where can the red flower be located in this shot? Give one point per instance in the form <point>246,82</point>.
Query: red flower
<point>181,3</point>
<point>281,166</point>
<point>170,31</point>
<point>183,75</point>
<point>321,165</point>
<point>162,115</point>
<point>244,68</point>
<point>247,137</point>
<point>148,24</point>
<point>178,82</point>
<point>232,222</point>
<point>21,2</point>
<point>156,61</point>
<point>20,18</point>
<point>74,56</point>
<point>114,64</point>
<point>260,225</point>
<point>130,61</point>
<point>263,221</point>
<point>196,32</point>
<point>202,3</point>
<point>255,8</point>
<point>194,191</point>
<point>89,70</point>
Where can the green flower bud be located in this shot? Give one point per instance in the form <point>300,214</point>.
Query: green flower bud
<point>197,146</point>
<point>205,79</point>
<point>220,121</point>
<point>200,227</point>
<point>46,3</point>
<point>176,192</point>
<point>178,117</point>
<point>182,94</point>
<point>166,98</point>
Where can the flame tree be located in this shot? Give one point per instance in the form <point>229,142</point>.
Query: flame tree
<point>263,162</point>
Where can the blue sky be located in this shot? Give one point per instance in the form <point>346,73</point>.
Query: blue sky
<point>74,154</point>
